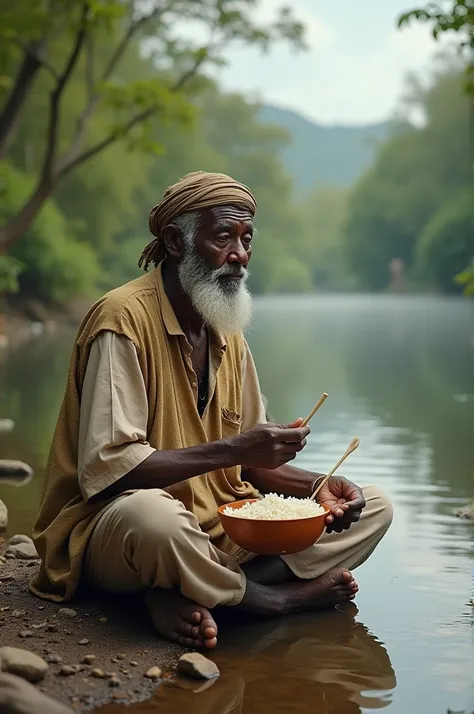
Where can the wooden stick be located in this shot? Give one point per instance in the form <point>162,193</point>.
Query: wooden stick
<point>313,411</point>
<point>352,447</point>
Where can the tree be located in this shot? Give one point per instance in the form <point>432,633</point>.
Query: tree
<point>64,38</point>
<point>445,245</point>
<point>454,16</point>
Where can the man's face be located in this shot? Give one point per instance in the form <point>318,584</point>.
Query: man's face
<point>214,267</point>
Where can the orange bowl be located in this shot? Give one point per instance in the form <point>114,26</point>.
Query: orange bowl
<point>272,537</point>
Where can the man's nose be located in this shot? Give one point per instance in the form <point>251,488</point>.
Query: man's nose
<point>238,254</point>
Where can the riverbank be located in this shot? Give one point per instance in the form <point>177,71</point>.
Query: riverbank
<point>98,651</point>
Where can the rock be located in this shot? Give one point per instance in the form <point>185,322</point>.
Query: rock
<point>3,516</point>
<point>26,633</point>
<point>84,641</point>
<point>18,613</point>
<point>38,625</point>
<point>51,628</point>
<point>23,551</point>
<point>2,559</point>
<point>134,664</point>
<point>19,538</point>
<point>66,612</point>
<point>19,697</point>
<point>102,619</point>
<point>466,512</point>
<point>98,673</point>
<point>16,469</point>
<point>22,663</point>
<point>6,578</point>
<point>114,682</point>
<point>54,658</point>
<point>153,673</point>
<point>89,659</point>
<point>67,670</point>
<point>121,656</point>
<point>197,666</point>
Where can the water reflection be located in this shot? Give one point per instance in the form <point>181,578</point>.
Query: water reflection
<point>330,664</point>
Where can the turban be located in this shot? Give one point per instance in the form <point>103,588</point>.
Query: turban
<point>194,191</point>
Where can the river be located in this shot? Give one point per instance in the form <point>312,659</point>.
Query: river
<point>399,373</point>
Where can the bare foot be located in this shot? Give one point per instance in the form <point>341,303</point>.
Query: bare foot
<point>335,587</point>
<point>181,620</point>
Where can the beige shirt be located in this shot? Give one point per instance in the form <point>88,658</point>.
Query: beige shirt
<point>114,411</point>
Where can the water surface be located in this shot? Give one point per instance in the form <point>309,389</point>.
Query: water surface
<point>400,375</point>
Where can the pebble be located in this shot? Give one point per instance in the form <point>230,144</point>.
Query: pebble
<point>40,607</point>
<point>102,619</point>
<point>22,663</point>
<point>98,673</point>
<point>38,625</point>
<point>197,666</point>
<point>114,682</point>
<point>18,613</point>
<point>18,697</point>
<point>26,633</point>
<point>121,656</point>
<point>51,628</point>
<point>84,641</point>
<point>66,612</point>
<point>153,673</point>
<point>19,538</point>
<point>54,658</point>
<point>68,669</point>
<point>23,551</point>
<point>114,660</point>
<point>2,559</point>
<point>6,578</point>
<point>89,659</point>
<point>134,664</point>
<point>3,516</point>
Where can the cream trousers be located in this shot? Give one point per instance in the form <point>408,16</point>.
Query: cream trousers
<point>148,540</point>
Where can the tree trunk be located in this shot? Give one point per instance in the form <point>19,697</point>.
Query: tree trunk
<point>15,228</point>
<point>11,112</point>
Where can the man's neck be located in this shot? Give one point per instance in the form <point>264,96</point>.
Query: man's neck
<point>191,322</point>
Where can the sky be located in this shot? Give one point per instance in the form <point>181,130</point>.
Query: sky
<point>354,69</point>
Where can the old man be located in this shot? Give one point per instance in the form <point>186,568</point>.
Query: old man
<point>163,421</point>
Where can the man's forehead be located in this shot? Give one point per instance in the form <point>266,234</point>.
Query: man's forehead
<point>230,214</point>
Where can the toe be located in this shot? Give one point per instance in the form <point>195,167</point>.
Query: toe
<point>210,643</point>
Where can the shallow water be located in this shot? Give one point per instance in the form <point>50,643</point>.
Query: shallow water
<point>400,375</point>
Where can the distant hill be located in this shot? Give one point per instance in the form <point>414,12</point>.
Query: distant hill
<point>320,154</point>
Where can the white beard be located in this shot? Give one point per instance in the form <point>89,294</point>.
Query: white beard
<point>225,308</point>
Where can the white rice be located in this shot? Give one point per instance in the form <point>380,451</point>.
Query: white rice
<point>276,508</point>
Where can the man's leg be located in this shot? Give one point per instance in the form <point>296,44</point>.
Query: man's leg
<point>348,549</point>
<point>148,541</point>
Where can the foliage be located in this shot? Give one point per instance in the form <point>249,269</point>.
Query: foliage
<point>10,269</point>
<point>416,172</point>
<point>65,40</point>
<point>445,245</point>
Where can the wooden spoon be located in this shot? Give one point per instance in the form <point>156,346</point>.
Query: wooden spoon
<point>352,447</point>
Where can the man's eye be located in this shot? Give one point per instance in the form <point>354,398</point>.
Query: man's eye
<point>223,237</point>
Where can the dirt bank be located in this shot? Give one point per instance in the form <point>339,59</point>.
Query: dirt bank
<point>115,632</point>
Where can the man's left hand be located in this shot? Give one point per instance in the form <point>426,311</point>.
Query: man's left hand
<point>345,500</point>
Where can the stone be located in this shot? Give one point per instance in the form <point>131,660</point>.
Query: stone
<point>89,659</point>
<point>19,538</point>
<point>84,641</point>
<point>2,559</point>
<point>26,633</point>
<point>67,670</point>
<point>38,625</point>
<point>18,613</point>
<point>23,551</point>
<point>66,612</point>
<point>197,666</point>
<point>134,664</point>
<point>121,656</point>
<point>153,673</point>
<point>98,673</point>
<point>22,663</point>
<point>54,658</point>
<point>114,682</point>
<point>102,619</point>
<point>16,469</point>
<point>20,697</point>
<point>51,628</point>
<point>3,516</point>
<point>6,578</point>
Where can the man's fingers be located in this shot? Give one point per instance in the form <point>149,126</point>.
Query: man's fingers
<point>357,504</point>
<point>291,435</point>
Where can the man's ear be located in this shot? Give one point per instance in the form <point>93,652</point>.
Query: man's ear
<point>174,242</point>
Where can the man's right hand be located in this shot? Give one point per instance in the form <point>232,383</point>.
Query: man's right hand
<point>269,446</point>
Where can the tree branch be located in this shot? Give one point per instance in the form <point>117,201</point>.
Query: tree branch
<point>66,167</point>
<point>36,53</point>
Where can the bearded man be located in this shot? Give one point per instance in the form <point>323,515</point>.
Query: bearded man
<point>163,421</point>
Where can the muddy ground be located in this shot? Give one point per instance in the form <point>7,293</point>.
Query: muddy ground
<point>116,631</point>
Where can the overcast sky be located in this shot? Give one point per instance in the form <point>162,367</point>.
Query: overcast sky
<point>354,69</point>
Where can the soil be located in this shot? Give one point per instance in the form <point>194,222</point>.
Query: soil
<point>116,631</point>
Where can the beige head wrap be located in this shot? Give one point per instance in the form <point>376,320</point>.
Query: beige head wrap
<point>196,190</point>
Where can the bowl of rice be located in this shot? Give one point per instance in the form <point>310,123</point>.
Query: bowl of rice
<point>274,525</point>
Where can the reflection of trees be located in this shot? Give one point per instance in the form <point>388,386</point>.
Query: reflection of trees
<point>314,663</point>
<point>34,377</point>
<point>409,361</point>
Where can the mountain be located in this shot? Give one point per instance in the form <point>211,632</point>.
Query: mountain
<point>322,154</point>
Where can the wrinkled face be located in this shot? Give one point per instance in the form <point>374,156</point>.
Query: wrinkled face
<point>214,268</point>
